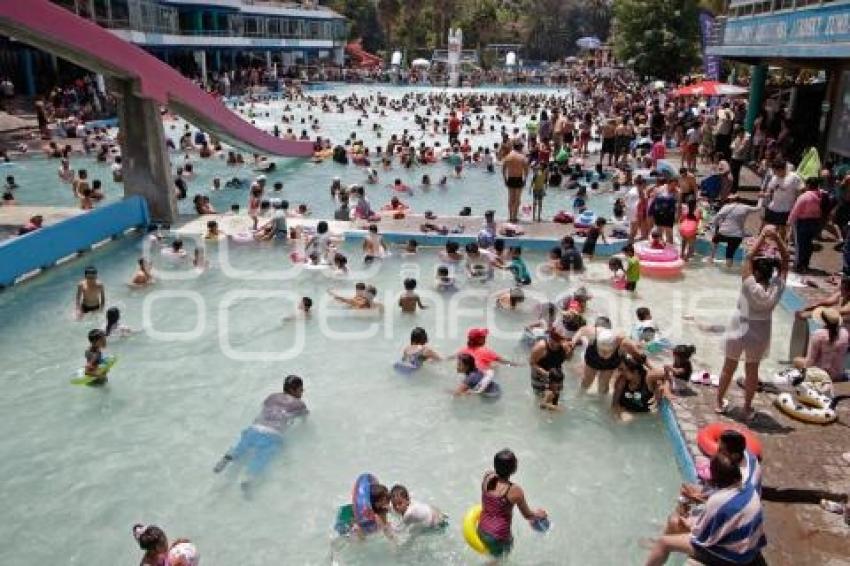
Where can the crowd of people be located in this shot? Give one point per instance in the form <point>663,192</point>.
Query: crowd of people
<point>611,136</point>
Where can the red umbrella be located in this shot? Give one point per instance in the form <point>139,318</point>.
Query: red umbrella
<point>710,88</point>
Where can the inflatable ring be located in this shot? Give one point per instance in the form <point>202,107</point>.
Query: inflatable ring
<point>708,438</point>
<point>807,404</point>
<point>470,529</point>
<point>361,503</point>
<point>82,378</point>
<point>786,403</point>
<point>646,252</point>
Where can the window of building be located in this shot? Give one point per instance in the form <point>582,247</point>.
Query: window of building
<point>273,27</point>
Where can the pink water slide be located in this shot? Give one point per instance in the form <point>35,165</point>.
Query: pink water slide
<point>51,28</point>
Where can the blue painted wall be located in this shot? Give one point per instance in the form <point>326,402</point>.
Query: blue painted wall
<point>43,248</point>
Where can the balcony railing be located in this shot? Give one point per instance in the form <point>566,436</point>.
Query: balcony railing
<point>152,17</point>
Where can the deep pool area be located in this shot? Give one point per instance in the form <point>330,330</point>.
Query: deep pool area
<point>81,465</point>
<point>309,183</point>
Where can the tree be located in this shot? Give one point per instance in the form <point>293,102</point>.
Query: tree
<point>363,16</point>
<point>388,14</point>
<point>659,38</point>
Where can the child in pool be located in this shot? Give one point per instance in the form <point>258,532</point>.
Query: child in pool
<point>95,359</point>
<point>656,242</point>
<point>340,264</point>
<point>409,300</point>
<point>552,393</point>
<point>510,299</point>
<point>645,330</point>
<point>618,273</point>
<point>153,541</point>
<point>379,498</point>
<point>688,227</point>
<point>518,268</point>
<point>416,515</point>
<point>410,248</point>
<point>444,280</point>
<point>544,324</point>
<point>418,351</point>
<point>681,368</point>
<point>474,379</point>
<point>373,245</point>
<point>593,234</point>
<point>213,232</point>
<point>451,254</point>
<point>91,294</point>
<point>142,277</point>
<point>114,328</point>
<point>538,191</point>
<point>303,312</point>
<point>577,302</point>
<point>632,268</point>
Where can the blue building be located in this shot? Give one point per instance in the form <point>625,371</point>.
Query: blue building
<point>795,34</point>
<point>203,35</point>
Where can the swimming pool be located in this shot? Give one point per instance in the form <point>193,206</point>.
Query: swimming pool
<point>81,465</point>
<point>309,183</point>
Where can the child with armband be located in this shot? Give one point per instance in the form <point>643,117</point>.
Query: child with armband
<point>416,515</point>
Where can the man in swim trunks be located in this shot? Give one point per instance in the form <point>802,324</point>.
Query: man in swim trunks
<point>515,172</point>
<point>263,438</point>
<point>91,295</point>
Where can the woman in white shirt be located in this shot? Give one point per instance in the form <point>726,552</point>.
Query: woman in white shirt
<point>750,328</point>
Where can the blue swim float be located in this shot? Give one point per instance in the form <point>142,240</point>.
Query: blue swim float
<point>361,502</point>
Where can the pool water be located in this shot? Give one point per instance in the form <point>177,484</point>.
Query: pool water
<point>309,183</point>
<point>81,465</point>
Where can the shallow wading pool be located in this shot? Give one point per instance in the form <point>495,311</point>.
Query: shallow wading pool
<point>79,466</point>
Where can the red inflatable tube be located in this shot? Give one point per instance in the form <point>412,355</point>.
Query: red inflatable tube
<point>708,438</point>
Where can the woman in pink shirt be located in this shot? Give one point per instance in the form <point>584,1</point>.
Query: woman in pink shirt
<point>805,217</point>
<point>828,345</point>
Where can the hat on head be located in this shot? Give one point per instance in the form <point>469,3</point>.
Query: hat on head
<point>826,315</point>
<point>477,333</point>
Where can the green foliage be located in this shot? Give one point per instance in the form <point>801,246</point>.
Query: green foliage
<point>548,28</point>
<point>363,16</point>
<point>659,38</point>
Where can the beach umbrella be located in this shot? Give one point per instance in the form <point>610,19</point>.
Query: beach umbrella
<point>420,63</point>
<point>710,88</point>
<point>589,42</point>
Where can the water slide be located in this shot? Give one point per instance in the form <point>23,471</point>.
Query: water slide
<point>361,57</point>
<point>51,28</point>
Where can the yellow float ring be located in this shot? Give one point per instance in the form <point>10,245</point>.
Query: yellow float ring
<point>470,529</point>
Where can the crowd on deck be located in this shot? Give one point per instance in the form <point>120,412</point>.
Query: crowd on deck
<point>610,135</point>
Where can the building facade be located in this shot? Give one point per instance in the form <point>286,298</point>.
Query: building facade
<point>204,36</point>
<point>794,35</point>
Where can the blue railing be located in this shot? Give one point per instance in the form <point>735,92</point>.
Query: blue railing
<point>44,247</point>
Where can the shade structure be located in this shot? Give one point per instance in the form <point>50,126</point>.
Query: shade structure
<point>420,63</point>
<point>710,88</point>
